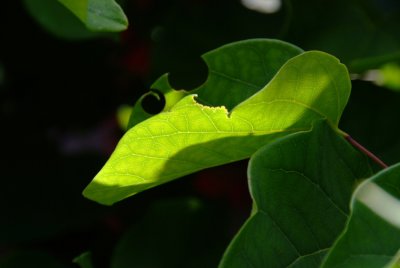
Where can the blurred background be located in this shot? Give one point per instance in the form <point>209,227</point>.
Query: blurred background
<point>64,93</point>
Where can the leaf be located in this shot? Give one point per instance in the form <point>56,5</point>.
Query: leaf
<point>170,95</point>
<point>89,18</point>
<point>301,186</point>
<point>240,69</point>
<point>191,136</point>
<point>372,235</point>
<point>123,114</point>
<point>56,19</point>
<point>98,15</point>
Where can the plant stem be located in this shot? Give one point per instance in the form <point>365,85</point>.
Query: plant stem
<point>365,151</point>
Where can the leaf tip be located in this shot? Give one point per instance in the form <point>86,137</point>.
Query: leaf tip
<point>97,193</point>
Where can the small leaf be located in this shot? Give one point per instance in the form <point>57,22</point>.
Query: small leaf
<point>301,186</point>
<point>191,137</point>
<point>372,235</point>
<point>98,15</point>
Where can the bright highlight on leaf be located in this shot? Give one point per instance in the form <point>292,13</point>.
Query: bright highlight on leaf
<point>191,136</point>
<point>235,72</point>
<point>380,202</point>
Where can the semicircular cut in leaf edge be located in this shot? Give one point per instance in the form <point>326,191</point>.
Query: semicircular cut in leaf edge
<point>191,136</point>
<point>301,186</point>
<point>235,72</point>
<point>171,97</point>
<point>238,70</point>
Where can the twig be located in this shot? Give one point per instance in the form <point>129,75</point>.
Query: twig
<point>365,151</point>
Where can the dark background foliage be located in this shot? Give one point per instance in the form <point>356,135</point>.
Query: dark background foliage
<point>58,105</point>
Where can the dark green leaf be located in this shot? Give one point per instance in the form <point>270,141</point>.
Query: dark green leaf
<point>301,186</point>
<point>371,238</point>
<point>76,19</point>
<point>98,15</point>
<point>56,19</point>
<point>236,71</point>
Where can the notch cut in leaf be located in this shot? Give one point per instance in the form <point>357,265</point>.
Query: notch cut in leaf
<point>171,97</point>
<point>191,136</point>
<point>235,72</point>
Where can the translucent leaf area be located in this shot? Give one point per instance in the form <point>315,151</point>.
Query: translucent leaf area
<point>240,69</point>
<point>301,186</point>
<point>191,136</point>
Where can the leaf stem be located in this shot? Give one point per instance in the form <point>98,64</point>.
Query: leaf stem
<point>365,151</point>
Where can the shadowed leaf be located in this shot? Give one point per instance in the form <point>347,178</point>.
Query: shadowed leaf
<point>371,238</point>
<point>301,186</point>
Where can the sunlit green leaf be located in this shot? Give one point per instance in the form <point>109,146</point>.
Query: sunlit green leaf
<point>260,60</point>
<point>301,186</point>
<point>190,136</point>
<point>372,235</point>
<point>171,97</point>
